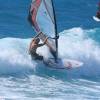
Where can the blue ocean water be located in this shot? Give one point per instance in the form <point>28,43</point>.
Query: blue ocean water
<point>24,79</point>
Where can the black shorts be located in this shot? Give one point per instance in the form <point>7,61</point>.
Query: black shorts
<point>35,56</point>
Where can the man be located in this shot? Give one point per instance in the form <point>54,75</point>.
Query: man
<point>98,12</point>
<point>33,47</point>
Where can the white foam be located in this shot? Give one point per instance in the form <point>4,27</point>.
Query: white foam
<point>13,55</point>
<point>76,43</point>
<point>73,43</point>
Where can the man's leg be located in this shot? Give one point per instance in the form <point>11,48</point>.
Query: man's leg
<point>38,57</point>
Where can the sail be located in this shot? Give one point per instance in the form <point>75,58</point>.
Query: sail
<point>42,18</point>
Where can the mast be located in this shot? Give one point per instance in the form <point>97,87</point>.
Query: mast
<point>56,33</point>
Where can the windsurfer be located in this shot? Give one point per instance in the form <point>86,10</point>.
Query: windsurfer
<point>33,48</point>
<point>98,13</point>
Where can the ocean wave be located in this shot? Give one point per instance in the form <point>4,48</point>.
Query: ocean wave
<point>73,43</point>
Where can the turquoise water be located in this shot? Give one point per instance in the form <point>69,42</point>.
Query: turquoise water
<point>24,79</point>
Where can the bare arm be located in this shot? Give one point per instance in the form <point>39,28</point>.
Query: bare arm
<point>33,39</point>
<point>30,46</point>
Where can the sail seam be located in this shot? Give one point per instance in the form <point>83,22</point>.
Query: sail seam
<point>48,11</point>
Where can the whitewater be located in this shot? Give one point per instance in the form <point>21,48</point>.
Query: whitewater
<point>21,78</point>
<point>24,79</point>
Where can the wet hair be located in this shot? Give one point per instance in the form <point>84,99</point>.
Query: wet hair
<point>37,40</point>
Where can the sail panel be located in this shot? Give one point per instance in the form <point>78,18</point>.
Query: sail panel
<point>43,17</point>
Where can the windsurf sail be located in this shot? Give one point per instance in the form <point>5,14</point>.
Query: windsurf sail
<point>43,20</point>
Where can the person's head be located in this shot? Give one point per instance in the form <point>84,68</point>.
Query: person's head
<point>37,40</point>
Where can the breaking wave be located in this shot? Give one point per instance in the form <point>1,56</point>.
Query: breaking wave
<point>73,43</point>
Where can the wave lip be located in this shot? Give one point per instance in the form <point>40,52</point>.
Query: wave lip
<point>14,57</point>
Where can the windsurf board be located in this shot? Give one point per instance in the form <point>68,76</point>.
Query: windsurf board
<point>96,19</point>
<point>62,63</point>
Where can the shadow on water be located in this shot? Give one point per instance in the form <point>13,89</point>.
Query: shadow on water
<point>61,74</point>
<point>89,71</point>
<point>43,71</point>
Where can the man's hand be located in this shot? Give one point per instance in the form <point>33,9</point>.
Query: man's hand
<point>57,37</point>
